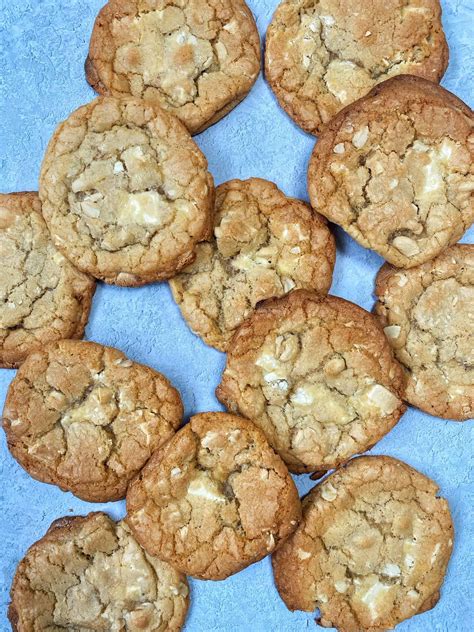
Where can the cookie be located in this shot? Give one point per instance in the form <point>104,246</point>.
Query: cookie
<point>395,170</point>
<point>42,296</point>
<point>86,418</point>
<point>196,58</point>
<point>89,573</point>
<point>322,55</point>
<point>428,317</point>
<point>317,375</point>
<point>126,192</point>
<point>372,548</point>
<point>265,245</point>
<point>214,499</point>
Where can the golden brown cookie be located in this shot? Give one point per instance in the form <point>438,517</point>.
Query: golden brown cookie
<point>42,296</point>
<point>89,573</point>
<point>372,548</point>
<point>395,170</point>
<point>322,55</point>
<point>214,499</point>
<point>317,375</point>
<point>264,245</point>
<point>196,58</point>
<point>428,317</point>
<point>86,418</point>
<point>126,192</point>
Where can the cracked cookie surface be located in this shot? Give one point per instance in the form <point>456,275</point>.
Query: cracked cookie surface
<point>322,55</point>
<point>428,317</point>
<point>89,573</point>
<point>265,244</point>
<point>395,170</point>
<point>86,418</point>
<point>214,499</point>
<point>196,58</point>
<point>372,548</point>
<point>126,192</point>
<point>42,296</point>
<point>317,375</point>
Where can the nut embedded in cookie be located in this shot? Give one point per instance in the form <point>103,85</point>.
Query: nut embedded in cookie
<point>44,297</point>
<point>196,58</point>
<point>265,244</point>
<point>86,418</point>
<point>428,317</point>
<point>395,170</point>
<point>317,375</point>
<point>372,548</point>
<point>322,55</point>
<point>89,573</point>
<point>214,499</point>
<point>126,192</point>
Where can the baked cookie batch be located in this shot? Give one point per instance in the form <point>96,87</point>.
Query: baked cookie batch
<point>311,380</point>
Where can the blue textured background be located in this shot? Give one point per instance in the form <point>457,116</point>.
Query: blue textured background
<point>43,44</point>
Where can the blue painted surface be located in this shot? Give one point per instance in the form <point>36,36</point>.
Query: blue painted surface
<point>43,44</point>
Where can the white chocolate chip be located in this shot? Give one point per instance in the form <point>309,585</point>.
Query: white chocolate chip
<point>118,167</point>
<point>328,492</point>
<point>302,554</point>
<point>339,148</point>
<point>392,331</point>
<point>406,246</point>
<point>327,20</point>
<point>381,397</point>
<point>208,438</point>
<point>123,362</point>
<point>270,542</point>
<point>202,487</point>
<point>360,137</point>
<point>288,284</point>
<point>341,585</point>
<point>391,570</point>
<point>233,436</point>
<point>91,210</point>
<point>176,471</point>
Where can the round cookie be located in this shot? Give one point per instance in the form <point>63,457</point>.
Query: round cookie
<point>321,55</point>
<point>86,418</point>
<point>89,573</point>
<point>317,375</point>
<point>265,245</point>
<point>428,317</point>
<point>42,296</point>
<point>372,548</point>
<point>126,192</point>
<point>214,499</point>
<point>196,58</point>
<point>395,170</point>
